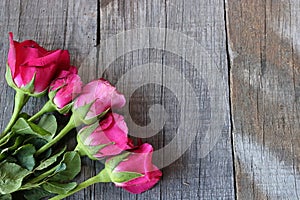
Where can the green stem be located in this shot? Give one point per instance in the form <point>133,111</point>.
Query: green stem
<point>79,151</point>
<point>43,175</point>
<point>102,177</point>
<point>60,135</point>
<point>4,139</point>
<point>20,101</point>
<point>48,107</point>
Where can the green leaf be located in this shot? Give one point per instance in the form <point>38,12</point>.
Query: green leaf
<point>24,127</point>
<point>5,141</point>
<point>42,177</point>
<point>10,159</point>
<point>11,177</point>
<point>59,188</point>
<point>36,194</point>
<point>24,155</point>
<point>60,167</point>
<point>48,123</point>
<point>36,141</point>
<point>4,154</point>
<point>73,166</point>
<point>15,144</point>
<point>5,197</point>
<point>30,186</point>
<point>120,177</point>
<point>46,163</point>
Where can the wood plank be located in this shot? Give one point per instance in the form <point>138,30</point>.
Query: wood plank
<point>7,23</point>
<point>189,79</point>
<point>28,20</point>
<point>264,54</point>
<point>135,58</point>
<point>80,40</point>
<point>53,24</point>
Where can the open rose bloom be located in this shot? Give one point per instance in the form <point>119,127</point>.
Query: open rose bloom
<point>135,172</point>
<point>105,138</point>
<point>27,62</point>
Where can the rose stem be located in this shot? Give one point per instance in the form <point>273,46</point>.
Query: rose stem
<point>20,101</point>
<point>48,107</point>
<point>102,177</point>
<point>5,138</point>
<point>60,135</point>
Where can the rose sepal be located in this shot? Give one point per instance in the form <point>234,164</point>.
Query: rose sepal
<point>63,110</point>
<point>82,149</point>
<point>119,177</point>
<point>81,112</point>
<point>27,89</point>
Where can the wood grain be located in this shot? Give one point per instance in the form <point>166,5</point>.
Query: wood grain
<point>264,54</point>
<point>190,177</point>
<point>192,98</point>
<point>69,25</point>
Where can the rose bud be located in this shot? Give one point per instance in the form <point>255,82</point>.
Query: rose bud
<point>96,98</point>
<point>134,170</point>
<point>31,68</point>
<point>105,138</point>
<point>64,89</point>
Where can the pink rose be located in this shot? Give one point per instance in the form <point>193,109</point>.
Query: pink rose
<point>66,87</point>
<point>97,97</point>
<point>138,162</point>
<point>105,138</point>
<point>27,59</point>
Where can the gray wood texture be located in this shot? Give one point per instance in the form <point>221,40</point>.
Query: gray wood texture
<point>192,176</point>
<point>264,58</point>
<point>215,80</point>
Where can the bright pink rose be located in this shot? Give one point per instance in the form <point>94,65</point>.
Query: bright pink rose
<point>138,161</point>
<point>101,95</point>
<point>27,59</point>
<point>108,138</point>
<point>68,86</point>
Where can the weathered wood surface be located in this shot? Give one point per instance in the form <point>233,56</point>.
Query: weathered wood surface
<point>264,55</point>
<point>176,80</point>
<point>149,64</point>
<point>191,98</point>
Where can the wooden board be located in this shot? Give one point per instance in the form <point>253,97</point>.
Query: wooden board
<point>264,68</point>
<point>69,25</point>
<point>175,79</point>
<point>142,61</point>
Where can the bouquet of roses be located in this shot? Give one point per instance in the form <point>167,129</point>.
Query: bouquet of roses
<point>32,164</point>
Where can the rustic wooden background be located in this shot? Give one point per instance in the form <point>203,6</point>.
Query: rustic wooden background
<point>254,44</point>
